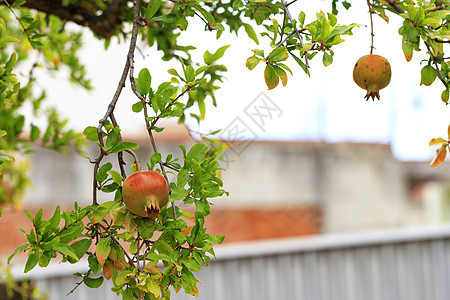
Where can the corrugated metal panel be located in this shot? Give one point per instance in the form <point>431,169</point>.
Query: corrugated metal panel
<point>406,265</point>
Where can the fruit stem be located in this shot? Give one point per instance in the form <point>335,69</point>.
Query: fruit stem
<point>371,25</point>
<point>136,159</point>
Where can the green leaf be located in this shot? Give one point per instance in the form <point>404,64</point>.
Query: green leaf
<point>53,222</point>
<point>197,152</point>
<point>302,64</point>
<point>278,54</point>
<point>252,62</point>
<point>301,18</point>
<point>113,139</point>
<point>116,177</point>
<point>93,264</point>
<point>163,247</point>
<point>137,107</point>
<point>109,188</point>
<point>72,233</point>
<point>102,250</point>
<point>155,159</point>
<point>102,172</point>
<point>35,131</point>
<point>407,49</point>
<point>93,282</point>
<point>281,74</point>
<point>428,75</point>
<point>124,146</point>
<point>345,29</point>
<point>32,261</point>
<point>327,59</point>
<point>18,250</point>
<point>66,250</point>
<point>81,247</point>
<point>178,193</point>
<point>270,76</point>
<point>101,211</point>
<point>191,265</point>
<point>251,33</point>
<point>189,73</point>
<point>90,133</point>
<point>183,177</point>
<point>445,96</point>
<point>218,239</point>
<point>173,72</point>
<point>211,58</point>
<point>144,79</point>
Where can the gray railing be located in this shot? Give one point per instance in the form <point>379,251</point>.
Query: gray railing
<point>407,264</point>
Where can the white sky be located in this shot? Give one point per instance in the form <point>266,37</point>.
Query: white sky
<point>328,106</point>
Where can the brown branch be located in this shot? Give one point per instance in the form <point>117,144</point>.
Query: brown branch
<point>285,6</point>
<point>395,7</point>
<point>439,7</point>
<point>76,286</point>
<point>103,25</point>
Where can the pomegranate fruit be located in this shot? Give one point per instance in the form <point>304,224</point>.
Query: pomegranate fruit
<point>372,72</point>
<point>145,193</point>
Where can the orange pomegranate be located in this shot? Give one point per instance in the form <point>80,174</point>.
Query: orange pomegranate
<point>372,72</point>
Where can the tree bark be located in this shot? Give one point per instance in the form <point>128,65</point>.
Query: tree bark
<point>103,25</point>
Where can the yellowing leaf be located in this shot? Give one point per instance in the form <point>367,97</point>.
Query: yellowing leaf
<point>407,50</point>
<point>271,78</point>
<point>152,267</point>
<point>441,153</point>
<point>108,269</point>
<point>102,250</point>
<point>252,62</point>
<point>438,141</point>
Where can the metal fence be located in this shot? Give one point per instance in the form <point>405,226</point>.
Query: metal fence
<point>412,264</point>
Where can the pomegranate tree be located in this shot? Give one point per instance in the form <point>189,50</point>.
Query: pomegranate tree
<point>372,72</point>
<point>145,193</point>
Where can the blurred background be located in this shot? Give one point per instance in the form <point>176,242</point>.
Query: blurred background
<point>331,197</point>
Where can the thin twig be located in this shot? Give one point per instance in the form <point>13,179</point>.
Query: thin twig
<point>120,154</point>
<point>203,19</point>
<point>136,159</point>
<point>94,183</point>
<point>73,290</point>
<point>292,2</point>
<point>371,25</point>
<point>18,19</point>
<point>285,5</point>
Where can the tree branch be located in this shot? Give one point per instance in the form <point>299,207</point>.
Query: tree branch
<point>395,6</point>
<point>103,25</point>
<point>286,9</point>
